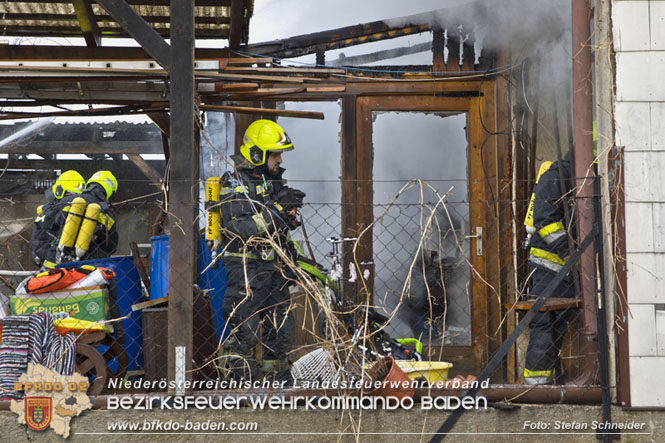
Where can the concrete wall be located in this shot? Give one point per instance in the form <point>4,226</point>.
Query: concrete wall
<point>639,42</point>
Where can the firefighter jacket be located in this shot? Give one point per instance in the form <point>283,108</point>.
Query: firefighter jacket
<point>549,246</point>
<point>44,237</point>
<point>51,219</point>
<point>248,209</point>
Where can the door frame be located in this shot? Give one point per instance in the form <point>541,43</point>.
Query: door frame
<point>468,357</point>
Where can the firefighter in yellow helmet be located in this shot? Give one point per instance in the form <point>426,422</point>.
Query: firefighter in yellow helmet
<point>255,202</point>
<point>81,225</point>
<point>98,234</point>
<point>68,183</point>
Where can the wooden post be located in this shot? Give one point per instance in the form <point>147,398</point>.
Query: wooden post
<point>183,194</point>
<point>349,187</point>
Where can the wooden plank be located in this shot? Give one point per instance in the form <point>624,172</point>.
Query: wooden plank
<point>110,53</point>
<point>235,87</point>
<point>263,111</point>
<point>248,60</point>
<point>552,304</point>
<point>399,88</point>
<point>88,23</point>
<point>325,89</point>
<point>140,267</point>
<point>257,77</point>
<point>161,119</point>
<point>145,167</point>
<point>286,70</point>
<point>364,200</point>
<point>492,237</point>
<point>506,222</point>
<point>477,196</point>
<point>183,188</point>
<point>469,55</point>
<point>237,22</point>
<point>120,110</point>
<point>438,44</point>
<point>135,26</point>
<point>386,54</point>
<point>452,64</point>
<point>265,92</point>
<point>349,186</point>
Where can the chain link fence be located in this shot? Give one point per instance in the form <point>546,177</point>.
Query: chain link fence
<point>422,285</point>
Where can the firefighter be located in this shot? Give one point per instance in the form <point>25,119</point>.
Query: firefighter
<point>42,245</point>
<point>256,204</point>
<point>548,253</point>
<point>79,226</point>
<point>98,234</point>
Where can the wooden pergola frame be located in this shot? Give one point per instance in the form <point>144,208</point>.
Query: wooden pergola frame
<point>444,86</point>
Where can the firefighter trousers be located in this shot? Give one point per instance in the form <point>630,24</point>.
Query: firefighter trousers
<point>267,304</point>
<point>548,328</point>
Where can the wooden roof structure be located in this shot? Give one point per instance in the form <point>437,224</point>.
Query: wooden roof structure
<point>213,19</point>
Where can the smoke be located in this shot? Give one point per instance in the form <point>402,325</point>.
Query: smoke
<point>500,23</point>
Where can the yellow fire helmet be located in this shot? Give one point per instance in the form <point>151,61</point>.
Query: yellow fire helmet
<point>261,137</point>
<point>107,180</point>
<point>69,181</point>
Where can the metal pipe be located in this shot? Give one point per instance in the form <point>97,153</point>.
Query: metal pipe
<point>584,158</point>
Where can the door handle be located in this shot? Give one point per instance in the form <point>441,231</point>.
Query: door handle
<point>479,240</point>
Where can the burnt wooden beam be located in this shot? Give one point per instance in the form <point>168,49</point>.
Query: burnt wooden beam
<point>145,167</point>
<point>88,23</point>
<point>161,119</point>
<point>263,111</point>
<point>438,44</point>
<point>335,39</point>
<point>183,194</point>
<point>437,20</point>
<point>453,44</point>
<point>386,54</point>
<point>237,21</point>
<point>119,110</point>
<point>143,33</point>
<point>349,188</point>
<point>73,53</point>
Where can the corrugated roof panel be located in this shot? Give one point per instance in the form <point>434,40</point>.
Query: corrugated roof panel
<point>58,18</point>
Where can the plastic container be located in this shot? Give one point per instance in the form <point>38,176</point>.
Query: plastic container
<point>433,371</point>
<point>129,292</point>
<point>214,279</point>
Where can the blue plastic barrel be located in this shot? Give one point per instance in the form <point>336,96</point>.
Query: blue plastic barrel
<point>128,284</point>
<point>214,279</point>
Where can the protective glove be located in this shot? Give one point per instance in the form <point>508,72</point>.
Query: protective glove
<point>290,198</point>
<point>289,217</point>
<point>105,207</point>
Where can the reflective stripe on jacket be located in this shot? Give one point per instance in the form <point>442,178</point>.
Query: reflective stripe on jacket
<point>550,245</point>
